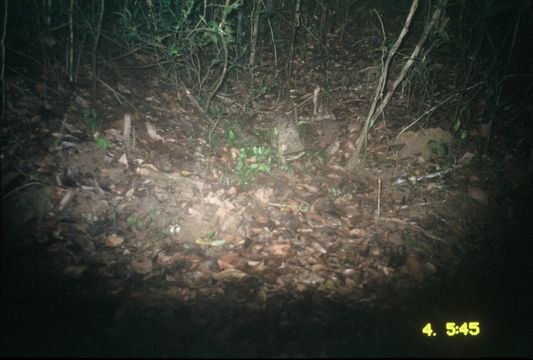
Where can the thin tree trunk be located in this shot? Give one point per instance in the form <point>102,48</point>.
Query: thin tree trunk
<point>256,12</point>
<point>295,26</point>
<point>96,43</point>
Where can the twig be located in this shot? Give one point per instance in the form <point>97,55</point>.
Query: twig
<point>215,124</point>
<point>226,54</point>
<point>28,184</point>
<point>379,200</point>
<point>196,104</point>
<point>70,51</point>
<point>32,81</point>
<point>402,179</point>
<point>294,30</point>
<point>256,12</point>
<point>117,95</point>
<point>414,226</point>
<point>127,131</point>
<point>427,112</point>
<point>378,92</point>
<point>96,43</point>
<point>436,16</point>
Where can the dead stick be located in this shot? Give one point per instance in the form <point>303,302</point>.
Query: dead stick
<point>416,227</point>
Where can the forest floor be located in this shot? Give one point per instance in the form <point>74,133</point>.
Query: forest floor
<point>177,245</point>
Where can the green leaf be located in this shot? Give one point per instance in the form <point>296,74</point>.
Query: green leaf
<point>102,143</point>
<point>437,148</point>
<point>410,242</point>
<point>457,124</point>
<point>240,165</point>
<point>173,50</point>
<point>131,220</point>
<point>263,168</point>
<point>304,207</point>
<point>230,134</point>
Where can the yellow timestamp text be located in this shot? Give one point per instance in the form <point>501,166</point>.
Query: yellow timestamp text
<point>471,328</point>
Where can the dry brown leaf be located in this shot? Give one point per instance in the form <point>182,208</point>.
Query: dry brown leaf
<point>152,132</point>
<point>261,297</point>
<point>56,247</point>
<point>67,198</point>
<point>114,240</point>
<point>81,101</point>
<point>146,169</point>
<point>318,267</point>
<point>123,159</point>
<point>75,271</point>
<point>334,167</point>
<point>213,199</point>
<point>347,272</point>
<point>293,205</point>
<point>168,260</point>
<point>280,249</point>
<point>413,266</point>
<point>466,158</point>
<point>256,231</point>
<point>129,193</point>
<point>161,194</point>
<point>333,176</point>
<point>357,232</point>
<point>478,195</point>
<point>333,148</point>
<point>195,213</point>
<point>310,188</point>
<point>142,265</point>
<point>224,211</point>
<point>350,284</point>
<point>318,248</point>
<point>263,195</point>
<point>225,265</point>
<point>430,268</point>
<point>230,274</point>
<point>261,217</point>
<point>234,239</point>
<point>227,261</point>
<point>314,216</point>
<point>354,127</point>
<point>123,89</point>
<point>458,230</point>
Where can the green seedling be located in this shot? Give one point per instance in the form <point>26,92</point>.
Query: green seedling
<point>317,154</point>
<point>94,126</point>
<point>304,207</point>
<point>230,137</point>
<point>232,134</point>
<point>132,221</point>
<point>89,217</point>
<point>459,131</point>
<point>252,160</point>
<point>209,240</point>
<point>410,242</point>
<point>334,192</point>
<point>102,143</point>
<point>91,120</point>
<point>438,148</point>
